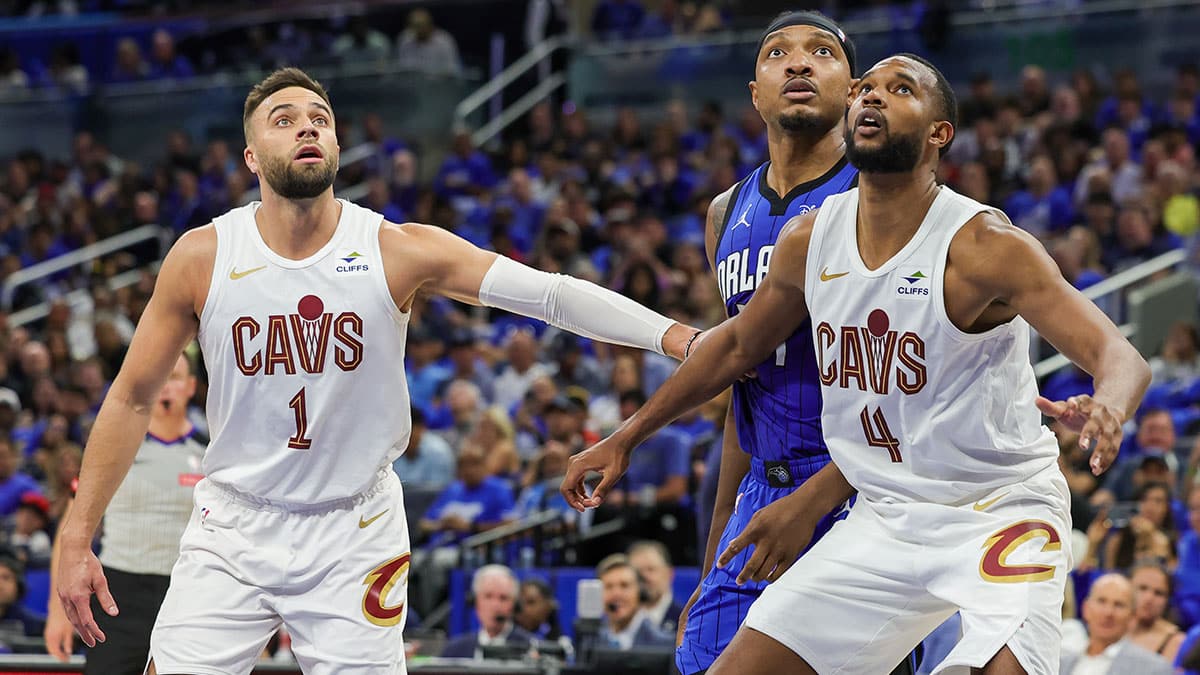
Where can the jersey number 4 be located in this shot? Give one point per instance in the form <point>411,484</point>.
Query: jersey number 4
<point>297,404</point>
<point>875,427</point>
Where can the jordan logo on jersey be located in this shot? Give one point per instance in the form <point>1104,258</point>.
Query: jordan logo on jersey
<point>871,355</point>
<point>300,340</point>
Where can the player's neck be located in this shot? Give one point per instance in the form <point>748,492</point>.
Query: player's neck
<point>297,228</point>
<point>884,229</point>
<point>797,158</point>
<point>170,426</point>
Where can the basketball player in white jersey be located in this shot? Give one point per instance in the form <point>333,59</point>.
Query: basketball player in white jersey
<point>919,299</point>
<point>140,541</point>
<point>301,305</point>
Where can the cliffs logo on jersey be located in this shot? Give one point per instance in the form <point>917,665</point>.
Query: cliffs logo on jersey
<point>300,341</point>
<point>872,356</point>
<point>916,285</point>
<point>352,263</point>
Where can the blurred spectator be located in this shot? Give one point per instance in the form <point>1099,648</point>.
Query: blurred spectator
<point>29,538</point>
<point>1179,360</point>
<point>1152,596</point>
<point>1035,93</point>
<point>617,19</point>
<point>1043,206</point>
<point>574,367</point>
<point>537,613</point>
<point>604,412</point>
<point>14,616</point>
<point>1108,611</point>
<point>13,483</point>
<point>520,372</point>
<point>130,65</point>
<point>359,43</point>
<point>428,462</point>
<point>1149,536</point>
<point>66,69</point>
<point>462,405</point>
<point>1117,165</point>
<point>541,490</point>
<point>564,417</point>
<point>1078,257</point>
<point>424,47</point>
<point>493,592</point>
<point>165,63</point>
<point>625,624</point>
<point>468,364</point>
<point>12,78</point>
<point>493,432</point>
<point>1155,436</point>
<point>475,502</point>
<point>466,171</point>
<point>653,565</point>
<point>1187,572</point>
<point>658,469</point>
<point>423,366</point>
<point>1136,240</point>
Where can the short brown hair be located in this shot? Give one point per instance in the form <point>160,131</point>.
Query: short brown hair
<point>280,79</point>
<point>613,562</point>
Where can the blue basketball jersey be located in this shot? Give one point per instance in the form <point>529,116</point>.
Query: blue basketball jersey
<point>778,413</point>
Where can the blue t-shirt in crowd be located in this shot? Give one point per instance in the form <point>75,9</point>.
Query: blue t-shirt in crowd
<point>662,456</point>
<point>489,502</point>
<point>11,491</point>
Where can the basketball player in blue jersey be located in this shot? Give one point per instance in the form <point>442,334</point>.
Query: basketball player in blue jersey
<point>773,439</point>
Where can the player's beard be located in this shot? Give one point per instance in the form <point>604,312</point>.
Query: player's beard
<point>303,181</point>
<point>897,154</point>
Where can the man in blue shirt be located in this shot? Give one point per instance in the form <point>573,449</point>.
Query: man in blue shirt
<point>429,461</point>
<point>474,503</point>
<point>13,483</point>
<point>659,467</point>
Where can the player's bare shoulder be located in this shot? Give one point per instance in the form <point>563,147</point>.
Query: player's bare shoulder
<point>987,250</point>
<point>186,272</point>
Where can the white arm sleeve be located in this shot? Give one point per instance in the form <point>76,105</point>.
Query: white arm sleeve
<point>572,304</point>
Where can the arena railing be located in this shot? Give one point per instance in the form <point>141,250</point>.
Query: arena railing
<point>1112,296</point>
<point>87,254</point>
<point>496,86</point>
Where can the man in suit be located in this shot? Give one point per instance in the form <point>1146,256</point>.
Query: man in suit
<point>653,565</point>
<point>626,623</point>
<point>494,588</point>
<point>1108,611</point>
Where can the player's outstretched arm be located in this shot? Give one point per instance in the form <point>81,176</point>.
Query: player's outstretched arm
<point>1073,324</point>
<point>165,328</point>
<point>774,312</point>
<point>418,256</point>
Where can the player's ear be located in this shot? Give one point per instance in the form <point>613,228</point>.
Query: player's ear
<point>251,162</point>
<point>941,134</point>
<point>753,93</point>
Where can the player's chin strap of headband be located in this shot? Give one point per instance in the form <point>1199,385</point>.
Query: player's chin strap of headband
<point>572,304</point>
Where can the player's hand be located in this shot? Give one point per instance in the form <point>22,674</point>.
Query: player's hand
<point>778,533</point>
<point>80,575</point>
<point>683,615</point>
<point>59,635</point>
<point>609,458</point>
<point>1098,424</point>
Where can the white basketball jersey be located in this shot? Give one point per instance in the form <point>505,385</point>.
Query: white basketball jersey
<point>307,398</point>
<point>915,409</point>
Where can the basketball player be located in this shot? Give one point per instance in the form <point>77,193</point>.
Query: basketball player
<point>301,304</point>
<point>140,540</point>
<point>772,430</point>
<point>919,299</point>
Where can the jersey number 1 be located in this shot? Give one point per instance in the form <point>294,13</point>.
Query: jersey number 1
<point>300,441</point>
<point>875,427</point>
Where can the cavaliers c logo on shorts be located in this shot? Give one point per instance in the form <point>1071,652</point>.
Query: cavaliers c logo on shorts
<point>994,567</point>
<point>379,583</point>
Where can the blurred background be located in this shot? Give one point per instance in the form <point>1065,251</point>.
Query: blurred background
<point>584,137</point>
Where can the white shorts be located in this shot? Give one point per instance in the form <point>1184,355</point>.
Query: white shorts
<point>335,575</point>
<point>884,578</point>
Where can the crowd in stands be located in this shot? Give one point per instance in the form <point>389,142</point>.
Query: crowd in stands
<point>1102,171</point>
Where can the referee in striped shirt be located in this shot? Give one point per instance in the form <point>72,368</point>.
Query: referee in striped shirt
<point>140,539</point>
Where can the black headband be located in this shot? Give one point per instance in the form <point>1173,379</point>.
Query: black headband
<point>816,19</point>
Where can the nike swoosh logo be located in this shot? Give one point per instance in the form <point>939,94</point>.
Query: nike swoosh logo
<point>983,506</point>
<point>826,276</point>
<point>363,523</point>
<point>235,275</point>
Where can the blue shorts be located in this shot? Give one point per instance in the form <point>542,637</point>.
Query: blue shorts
<point>722,604</point>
